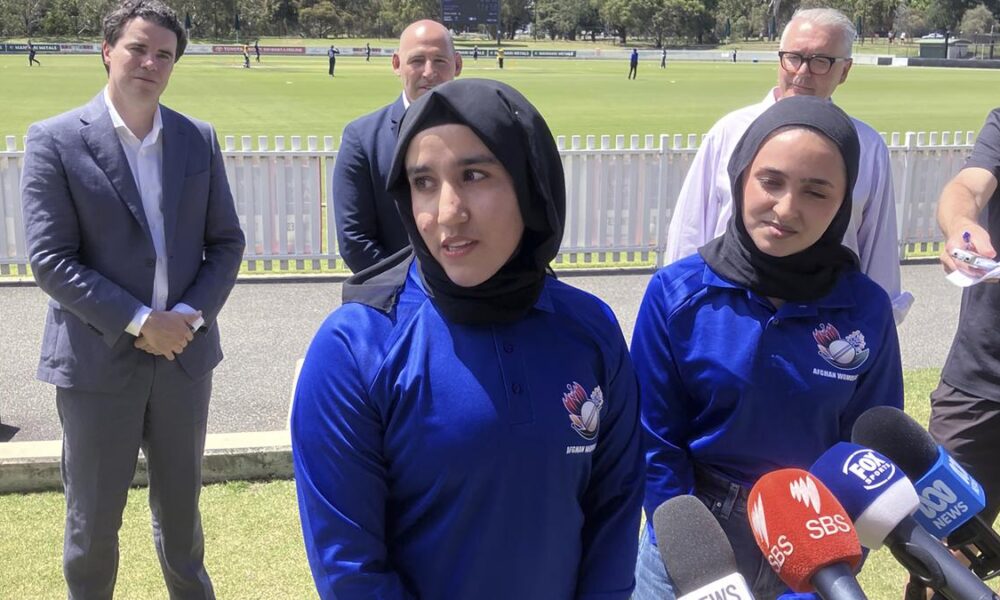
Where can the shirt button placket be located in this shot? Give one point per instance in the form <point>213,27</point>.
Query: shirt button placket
<point>520,408</point>
<point>508,348</point>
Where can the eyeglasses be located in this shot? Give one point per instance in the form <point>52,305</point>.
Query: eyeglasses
<point>817,63</point>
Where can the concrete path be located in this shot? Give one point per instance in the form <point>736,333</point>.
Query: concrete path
<point>266,327</point>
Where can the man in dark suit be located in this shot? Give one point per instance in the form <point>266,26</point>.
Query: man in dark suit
<point>133,234</point>
<point>368,225</point>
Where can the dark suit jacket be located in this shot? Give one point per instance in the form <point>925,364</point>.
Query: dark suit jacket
<point>91,251</point>
<point>368,225</point>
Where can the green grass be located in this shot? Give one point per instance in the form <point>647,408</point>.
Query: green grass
<point>253,543</point>
<point>880,47</point>
<point>294,96</point>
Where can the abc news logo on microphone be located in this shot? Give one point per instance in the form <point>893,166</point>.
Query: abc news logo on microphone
<point>948,495</point>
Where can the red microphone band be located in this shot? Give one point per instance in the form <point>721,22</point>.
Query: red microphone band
<point>800,527</point>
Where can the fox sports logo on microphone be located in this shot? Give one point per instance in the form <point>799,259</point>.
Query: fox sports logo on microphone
<point>873,469</point>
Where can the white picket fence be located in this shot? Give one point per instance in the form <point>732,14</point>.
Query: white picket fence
<point>620,196</point>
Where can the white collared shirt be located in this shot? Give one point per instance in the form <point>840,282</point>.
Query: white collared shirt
<point>145,161</point>
<point>705,202</point>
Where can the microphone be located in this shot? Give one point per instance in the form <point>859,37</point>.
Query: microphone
<point>879,499</point>
<point>696,552</point>
<point>805,534</point>
<point>949,497</point>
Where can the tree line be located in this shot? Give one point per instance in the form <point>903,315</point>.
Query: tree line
<point>661,22</point>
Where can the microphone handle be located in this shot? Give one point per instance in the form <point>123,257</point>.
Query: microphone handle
<point>980,544</point>
<point>930,562</point>
<point>837,582</point>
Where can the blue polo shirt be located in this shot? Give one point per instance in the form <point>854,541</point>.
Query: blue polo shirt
<point>727,381</point>
<point>437,460</point>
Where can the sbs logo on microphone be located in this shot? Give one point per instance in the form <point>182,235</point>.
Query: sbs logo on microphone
<point>873,470</point>
<point>758,523</point>
<point>781,550</point>
<point>804,490</point>
<point>826,525</point>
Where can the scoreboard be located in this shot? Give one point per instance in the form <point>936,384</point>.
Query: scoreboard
<point>459,13</point>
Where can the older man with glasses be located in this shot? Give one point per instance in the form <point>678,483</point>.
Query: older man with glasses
<point>815,57</point>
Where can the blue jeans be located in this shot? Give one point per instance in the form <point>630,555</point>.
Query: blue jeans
<point>728,505</point>
<point>652,582</point>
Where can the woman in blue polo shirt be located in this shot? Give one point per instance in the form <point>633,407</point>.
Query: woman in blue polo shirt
<point>760,351</point>
<point>465,425</point>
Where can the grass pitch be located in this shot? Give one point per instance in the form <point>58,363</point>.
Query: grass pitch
<point>294,95</point>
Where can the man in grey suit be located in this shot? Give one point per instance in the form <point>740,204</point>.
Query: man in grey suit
<point>133,234</point>
<point>368,225</point>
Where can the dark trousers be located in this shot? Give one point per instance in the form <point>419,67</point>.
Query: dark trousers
<point>163,412</point>
<point>968,427</point>
<point>632,71</point>
<point>32,59</point>
<point>333,65</point>
<point>728,503</point>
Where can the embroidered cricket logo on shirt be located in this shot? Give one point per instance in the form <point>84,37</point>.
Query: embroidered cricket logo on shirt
<point>843,353</point>
<point>584,414</point>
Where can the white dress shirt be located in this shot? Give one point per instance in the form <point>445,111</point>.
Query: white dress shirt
<point>705,203</point>
<point>145,161</point>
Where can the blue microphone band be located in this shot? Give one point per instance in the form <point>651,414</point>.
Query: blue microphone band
<point>856,475</point>
<point>949,496</point>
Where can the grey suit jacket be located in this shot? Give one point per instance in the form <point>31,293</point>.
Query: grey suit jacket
<point>91,251</point>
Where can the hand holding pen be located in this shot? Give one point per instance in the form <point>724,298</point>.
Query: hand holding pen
<point>970,251</point>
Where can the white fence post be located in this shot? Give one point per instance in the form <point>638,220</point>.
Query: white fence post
<point>13,253</point>
<point>620,195</point>
<point>329,159</point>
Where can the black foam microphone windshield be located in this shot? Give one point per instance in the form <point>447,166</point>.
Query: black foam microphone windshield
<point>887,428</point>
<point>696,552</point>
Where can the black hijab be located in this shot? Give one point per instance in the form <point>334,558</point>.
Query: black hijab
<point>516,134</point>
<point>808,274</point>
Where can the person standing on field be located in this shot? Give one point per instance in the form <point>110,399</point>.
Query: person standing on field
<point>367,222</point>
<point>331,54</point>
<point>814,60</point>
<point>31,54</point>
<point>133,234</point>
